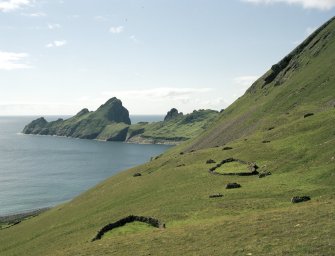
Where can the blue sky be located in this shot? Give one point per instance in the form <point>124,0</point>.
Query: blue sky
<point>57,57</point>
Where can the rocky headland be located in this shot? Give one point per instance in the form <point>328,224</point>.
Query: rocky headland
<point>111,122</point>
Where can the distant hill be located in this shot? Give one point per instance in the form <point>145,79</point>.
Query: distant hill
<point>175,128</point>
<point>111,122</point>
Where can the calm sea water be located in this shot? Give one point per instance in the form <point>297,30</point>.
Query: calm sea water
<point>42,171</point>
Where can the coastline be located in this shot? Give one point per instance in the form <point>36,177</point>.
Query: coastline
<point>132,140</point>
<point>10,220</point>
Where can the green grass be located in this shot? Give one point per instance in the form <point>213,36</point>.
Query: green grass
<point>129,228</point>
<point>233,167</point>
<point>256,219</point>
<point>178,129</point>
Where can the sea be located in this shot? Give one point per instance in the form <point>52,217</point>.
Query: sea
<point>43,171</point>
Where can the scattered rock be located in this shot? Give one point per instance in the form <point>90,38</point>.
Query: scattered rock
<point>308,114</point>
<point>227,148</point>
<point>131,218</point>
<point>266,141</point>
<point>210,161</point>
<point>180,165</point>
<point>271,128</point>
<point>137,174</point>
<point>264,174</point>
<point>299,199</point>
<point>215,195</point>
<point>233,185</point>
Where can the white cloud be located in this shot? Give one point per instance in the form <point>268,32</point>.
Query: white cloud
<point>116,30</point>
<point>11,61</point>
<point>156,94</point>
<point>54,26</point>
<point>308,4</point>
<point>11,5</point>
<point>245,81</point>
<point>134,39</point>
<point>101,18</point>
<point>35,14</point>
<point>56,44</point>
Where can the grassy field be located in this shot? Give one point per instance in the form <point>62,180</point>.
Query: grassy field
<point>256,219</point>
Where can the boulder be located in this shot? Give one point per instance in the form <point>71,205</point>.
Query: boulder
<point>216,195</point>
<point>308,115</point>
<point>227,148</point>
<point>300,199</point>
<point>264,174</point>
<point>137,174</point>
<point>233,185</point>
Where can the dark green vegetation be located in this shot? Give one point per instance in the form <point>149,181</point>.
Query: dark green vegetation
<point>110,122</point>
<point>256,219</point>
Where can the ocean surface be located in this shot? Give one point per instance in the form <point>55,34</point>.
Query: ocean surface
<point>42,171</point>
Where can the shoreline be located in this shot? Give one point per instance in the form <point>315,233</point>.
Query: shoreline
<point>142,141</point>
<point>16,218</point>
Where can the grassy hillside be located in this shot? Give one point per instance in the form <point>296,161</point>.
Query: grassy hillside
<point>175,130</point>
<point>266,126</point>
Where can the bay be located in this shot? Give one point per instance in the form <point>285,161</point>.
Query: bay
<point>42,171</point>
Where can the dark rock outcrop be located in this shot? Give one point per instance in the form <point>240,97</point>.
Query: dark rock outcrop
<point>216,196</point>
<point>264,174</point>
<point>114,111</point>
<point>172,114</point>
<point>82,112</point>
<point>300,199</point>
<point>227,148</point>
<point>35,126</point>
<point>131,218</point>
<point>308,115</point>
<point>233,185</point>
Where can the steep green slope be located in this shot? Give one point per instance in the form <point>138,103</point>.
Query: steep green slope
<point>302,82</point>
<point>267,126</point>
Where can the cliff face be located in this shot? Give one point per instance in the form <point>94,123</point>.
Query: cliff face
<point>86,124</point>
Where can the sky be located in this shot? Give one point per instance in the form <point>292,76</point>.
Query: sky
<point>59,56</point>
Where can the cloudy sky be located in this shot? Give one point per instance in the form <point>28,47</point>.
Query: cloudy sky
<point>57,57</point>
